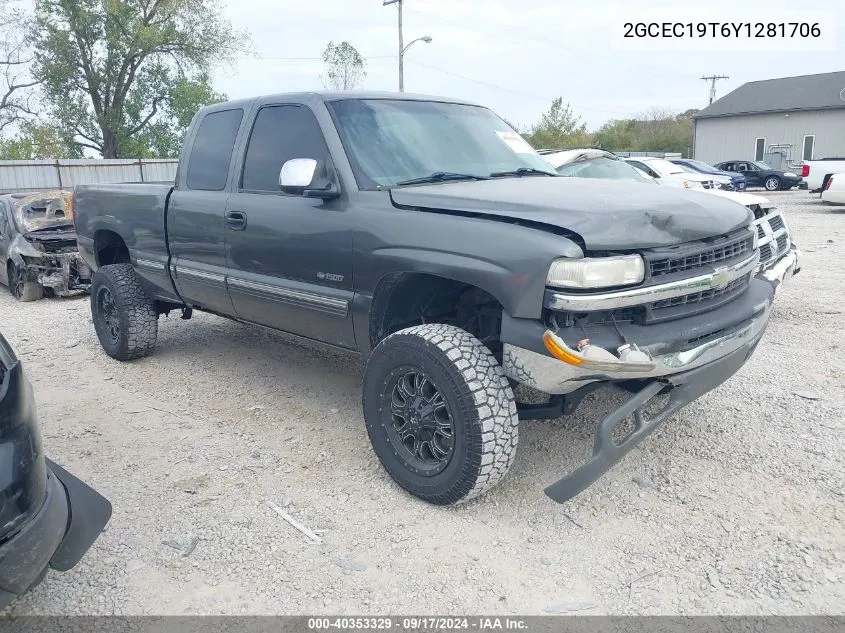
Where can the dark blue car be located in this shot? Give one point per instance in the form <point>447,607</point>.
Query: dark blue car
<point>738,181</point>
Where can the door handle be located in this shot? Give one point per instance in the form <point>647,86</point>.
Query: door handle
<point>236,220</point>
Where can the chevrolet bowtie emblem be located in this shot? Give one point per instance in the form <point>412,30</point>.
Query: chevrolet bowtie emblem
<point>720,278</point>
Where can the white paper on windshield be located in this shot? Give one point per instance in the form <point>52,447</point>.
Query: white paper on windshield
<point>518,144</point>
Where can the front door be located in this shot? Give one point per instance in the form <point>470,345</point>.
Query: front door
<point>195,219</point>
<point>289,257</point>
<point>5,241</point>
<point>752,175</point>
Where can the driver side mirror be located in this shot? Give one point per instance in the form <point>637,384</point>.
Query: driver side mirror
<point>309,178</point>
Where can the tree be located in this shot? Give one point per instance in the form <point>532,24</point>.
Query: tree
<point>38,141</point>
<point>345,68</point>
<point>15,81</point>
<point>657,130</point>
<point>163,137</point>
<point>117,74</point>
<point>618,135</point>
<point>559,128</point>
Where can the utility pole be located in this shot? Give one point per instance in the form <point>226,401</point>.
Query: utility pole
<point>402,47</point>
<point>711,78</point>
<point>398,4</point>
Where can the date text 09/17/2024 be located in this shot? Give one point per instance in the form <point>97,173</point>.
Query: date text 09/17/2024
<point>418,623</point>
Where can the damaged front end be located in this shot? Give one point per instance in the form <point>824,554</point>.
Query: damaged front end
<point>45,249</point>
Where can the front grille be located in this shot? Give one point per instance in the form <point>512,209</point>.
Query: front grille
<point>766,252</point>
<point>704,254</point>
<point>783,243</point>
<point>760,232</point>
<point>776,223</point>
<point>698,297</point>
<point>659,311</point>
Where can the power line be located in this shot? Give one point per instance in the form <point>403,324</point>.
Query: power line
<point>263,57</point>
<point>712,79</point>
<point>532,40</point>
<point>516,92</point>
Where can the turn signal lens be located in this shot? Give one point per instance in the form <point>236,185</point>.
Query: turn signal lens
<point>559,352</point>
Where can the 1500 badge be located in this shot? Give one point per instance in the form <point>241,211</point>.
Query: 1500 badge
<point>329,277</point>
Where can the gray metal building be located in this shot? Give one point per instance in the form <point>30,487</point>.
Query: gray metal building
<point>780,121</point>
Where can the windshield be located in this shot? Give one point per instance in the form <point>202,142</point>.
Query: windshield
<point>605,168</point>
<point>664,167</point>
<point>761,165</point>
<point>702,166</point>
<point>393,141</point>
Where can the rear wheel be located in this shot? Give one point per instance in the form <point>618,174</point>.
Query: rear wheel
<point>125,317</point>
<point>21,288</point>
<point>772,183</point>
<point>440,413</point>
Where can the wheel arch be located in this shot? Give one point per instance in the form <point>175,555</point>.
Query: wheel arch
<point>110,248</point>
<point>402,299</point>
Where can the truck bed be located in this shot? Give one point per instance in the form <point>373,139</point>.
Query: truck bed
<point>134,212</point>
<point>815,172</point>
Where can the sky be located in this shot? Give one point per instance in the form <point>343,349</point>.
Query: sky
<point>517,56</point>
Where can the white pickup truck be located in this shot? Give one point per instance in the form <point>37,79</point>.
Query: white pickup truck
<point>815,172</point>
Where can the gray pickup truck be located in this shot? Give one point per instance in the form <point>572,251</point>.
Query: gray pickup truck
<point>425,235</point>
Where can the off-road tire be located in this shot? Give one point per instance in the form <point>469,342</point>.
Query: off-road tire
<point>135,310</point>
<point>774,181</point>
<point>28,291</point>
<point>480,399</point>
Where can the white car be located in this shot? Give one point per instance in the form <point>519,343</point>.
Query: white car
<point>666,173</point>
<point>834,189</point>
<point>814,172</point>
<point>779,257</point>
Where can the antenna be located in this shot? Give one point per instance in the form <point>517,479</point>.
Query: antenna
<point>712,79</point>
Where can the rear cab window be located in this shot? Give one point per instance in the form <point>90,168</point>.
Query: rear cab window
<point>211,152</point>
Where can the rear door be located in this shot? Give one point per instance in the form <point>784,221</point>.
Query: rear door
<point>195,218</point>
<point>289,257</point>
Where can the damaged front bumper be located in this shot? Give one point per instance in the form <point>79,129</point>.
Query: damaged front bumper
<point>66,274</point>
<point>690,356</point>
<point>784,269</point>
<point>539,369</point>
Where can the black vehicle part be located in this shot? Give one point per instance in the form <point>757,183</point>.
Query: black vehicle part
<point>558,405</point>
<point>22,288</point>
<point>477,413</point>
<point>89,513</point>
<point>607,451</point>
<point>125,317</point>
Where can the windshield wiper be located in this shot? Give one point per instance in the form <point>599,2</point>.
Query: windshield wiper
<point>440,176</point>
<point>522,171</point>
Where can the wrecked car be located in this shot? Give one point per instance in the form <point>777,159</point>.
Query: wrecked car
<point>426,235</point>
<point>38,246</point>
<point>48,517</point>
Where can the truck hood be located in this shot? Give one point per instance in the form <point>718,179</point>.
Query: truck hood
<point>606,214</point>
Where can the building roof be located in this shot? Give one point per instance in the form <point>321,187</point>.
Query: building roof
<point>788,94</point>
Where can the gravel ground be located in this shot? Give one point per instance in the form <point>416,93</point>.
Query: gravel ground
<point>734,506</point>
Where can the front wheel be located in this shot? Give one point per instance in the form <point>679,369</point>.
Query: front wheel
<point>21,288</point>
<point>125,317</point>
<point>772,183</point>
<point>440,413</point>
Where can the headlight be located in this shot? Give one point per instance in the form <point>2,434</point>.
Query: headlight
<point>597,272</point>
